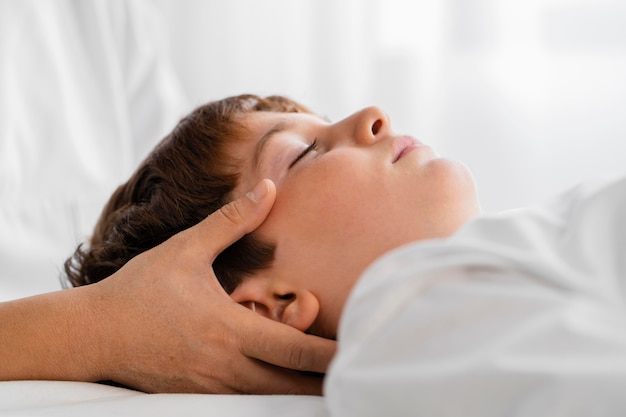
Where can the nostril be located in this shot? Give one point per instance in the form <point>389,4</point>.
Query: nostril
<point>376,126</point>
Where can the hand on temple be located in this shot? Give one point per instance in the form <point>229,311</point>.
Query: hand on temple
<point>163,323</point>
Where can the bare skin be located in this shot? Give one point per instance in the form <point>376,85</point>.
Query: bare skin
<point>163,323</point>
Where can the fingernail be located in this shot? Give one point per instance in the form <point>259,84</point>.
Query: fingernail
<point>258,192</point>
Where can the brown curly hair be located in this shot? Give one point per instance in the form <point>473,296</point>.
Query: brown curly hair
<point>188,176</point>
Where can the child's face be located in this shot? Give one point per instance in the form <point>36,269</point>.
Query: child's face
<point>341,204</point>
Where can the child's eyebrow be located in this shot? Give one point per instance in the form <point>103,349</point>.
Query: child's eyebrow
<point>263,140</point>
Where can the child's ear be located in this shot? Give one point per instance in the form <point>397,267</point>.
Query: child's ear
<point>297,308</point>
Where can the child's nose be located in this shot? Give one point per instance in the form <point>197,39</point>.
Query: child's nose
<point>371,124</point>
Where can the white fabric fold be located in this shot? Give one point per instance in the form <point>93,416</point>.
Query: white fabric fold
<point>518,314</point>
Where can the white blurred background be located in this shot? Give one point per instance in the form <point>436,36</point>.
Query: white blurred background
<point>531,94</point>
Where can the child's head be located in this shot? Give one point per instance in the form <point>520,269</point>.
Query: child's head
<point>347,192</point>
<point>189,175</point>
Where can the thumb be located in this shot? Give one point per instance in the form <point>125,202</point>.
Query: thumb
<point>233,220</point>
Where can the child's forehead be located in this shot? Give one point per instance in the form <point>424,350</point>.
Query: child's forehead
<point>267,119</point>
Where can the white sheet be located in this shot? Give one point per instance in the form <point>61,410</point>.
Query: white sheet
<point>78,399</point>
<point>520,314</point>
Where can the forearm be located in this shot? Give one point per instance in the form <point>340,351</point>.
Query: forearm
<point>52,336</point>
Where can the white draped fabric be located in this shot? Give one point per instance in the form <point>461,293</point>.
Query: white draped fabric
<point>519,314</point>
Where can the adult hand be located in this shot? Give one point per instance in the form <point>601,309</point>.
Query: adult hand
<point>173,328</point>
<point>163,323</point>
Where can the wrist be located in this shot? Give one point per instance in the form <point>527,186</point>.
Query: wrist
<point>99,347</point>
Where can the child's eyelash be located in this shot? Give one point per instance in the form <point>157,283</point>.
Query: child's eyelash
<point>308,149</point>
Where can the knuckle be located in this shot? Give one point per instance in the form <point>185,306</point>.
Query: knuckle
<point>233,213</point>
<point>182,242</point>
<point>299,357</point>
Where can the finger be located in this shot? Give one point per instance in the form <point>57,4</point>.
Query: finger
<point>281,345</point>
<point>228,224</point>
<point>261,378</point>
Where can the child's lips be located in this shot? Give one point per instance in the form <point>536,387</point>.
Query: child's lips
<point>403,145</point>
